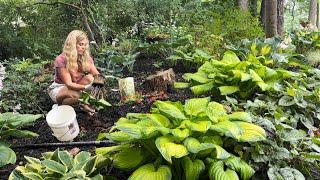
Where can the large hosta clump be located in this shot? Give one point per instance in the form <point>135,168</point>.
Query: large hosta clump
<point>177,141</point>
<point>230,75</point>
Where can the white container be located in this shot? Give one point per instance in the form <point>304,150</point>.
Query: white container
<point>126,87</point>
<point>62,121</point>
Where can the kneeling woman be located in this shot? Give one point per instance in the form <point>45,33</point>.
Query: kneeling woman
<point>74,71</point>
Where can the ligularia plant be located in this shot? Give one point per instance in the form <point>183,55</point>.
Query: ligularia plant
<point>177,141</point>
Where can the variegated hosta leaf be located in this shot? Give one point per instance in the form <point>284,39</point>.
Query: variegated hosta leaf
<point>34,164</point>
<point>129,158</point>
<point>133,130</point>
<point>240,116</point>
<point>230,57</point>
<point>66,158</point>
<point>194,146</point>
<point>78,174</point>
<point>216,172</point>
<point>220,153</point>
<point>119,136</point>
<point>148,172</point>
<point>240,166</point>
<point>32,175</point>
<point>228,128</point>
<point>90,165</point>
<point>202,88</point>
<point>211,139</point>
<point>192,169</point>
<point>159,120</point>
<point>226,90</point>
<point>148,132</point>
<point>16,174</point>
<point>251,132</point>
<point>133,119</point>
<point>195,106</point>
<point>53,166</point>
<point>170,110</point>
<point>81,157</point>
<point>180,134</point>
<point>215,111</point>
<point>168,148</point>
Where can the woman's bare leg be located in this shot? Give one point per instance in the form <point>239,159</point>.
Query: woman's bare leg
<point>68,97</point>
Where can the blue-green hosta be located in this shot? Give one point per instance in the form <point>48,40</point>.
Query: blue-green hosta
<point>61,165</point>
<point>10,124</point>
<point>177,141</point>
<point>230,75</point>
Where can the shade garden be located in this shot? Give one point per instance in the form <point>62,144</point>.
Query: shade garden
<point>239,106</point>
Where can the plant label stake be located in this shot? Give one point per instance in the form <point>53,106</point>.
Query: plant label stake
<point>126,87</point>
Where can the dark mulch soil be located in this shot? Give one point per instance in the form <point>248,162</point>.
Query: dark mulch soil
<point>90,127</point>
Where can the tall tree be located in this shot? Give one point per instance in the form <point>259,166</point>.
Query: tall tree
<point>243,4</point>
<point>263,13</point>
<point>271,18</point>
<point>313,12</point>
<point>280,17</point>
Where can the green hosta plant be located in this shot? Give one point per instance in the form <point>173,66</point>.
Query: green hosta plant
<point>10,124</point>
<point>230,75</point>
<point>182,141</point>
<point>61,165</point>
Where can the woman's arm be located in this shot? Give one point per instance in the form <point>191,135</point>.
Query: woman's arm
<point>93,70</point>
<point>66,78</point>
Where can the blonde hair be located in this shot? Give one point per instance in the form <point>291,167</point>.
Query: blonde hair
<point>70,50</point>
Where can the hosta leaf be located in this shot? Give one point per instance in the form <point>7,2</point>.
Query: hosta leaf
<point>181,85</point>
<point>198,77</point>
<point>54,166</point>
<point>216,172</point>
<point>312,155</point>
<point>240,166</point>
<point>106,150</point>
<point>148,172</point>
<point>225,90</point>
<point>202,89</point>
<point>78,174</point>
<point>220,153</point>
<point>255,77</point>
<point>90,165</point>
<point>159,120</point>
<point>7,156</point>
<point>133,130</point>
<point>34,164</point>
<point>230,57</point>
<point>129,158</point>
<point>169,110</point>
<point>251,132</point>
<point>18,133</point>
<point>180,134</point>
<point>195,106</point>
<point>192,169</point>
<point>16,120</point>
<point>212,139</point>
<point>169,149</point>
<point>199,126</point>
<point>241,116</point>
<point>228,128</point>
<point>215,111</point>
<point>32,175</point>
<point>119,136</point>
<point>285,173</point>
<point>194,146</point>
<point>16,175</point>
<point>97,177</point>
<point>66,159</point>
<point>81,157</point>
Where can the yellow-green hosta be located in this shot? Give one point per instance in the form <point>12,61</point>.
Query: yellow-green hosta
<point>184,135</point>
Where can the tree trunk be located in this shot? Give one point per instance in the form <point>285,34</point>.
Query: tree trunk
<point>313,12</point>
<point>271,18</point>
<point>263,14</point>
<point>253,7</point>
<point>280,17</point>
<point>243,4</point>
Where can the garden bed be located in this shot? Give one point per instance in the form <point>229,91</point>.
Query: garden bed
<point>91,126</point>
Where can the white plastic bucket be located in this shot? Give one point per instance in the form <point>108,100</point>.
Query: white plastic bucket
<point>62,121</point>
